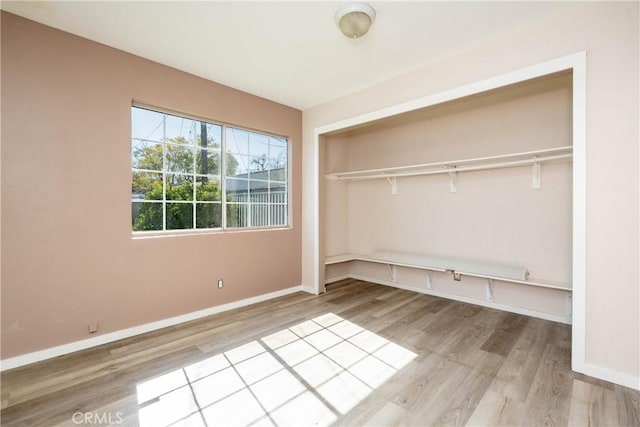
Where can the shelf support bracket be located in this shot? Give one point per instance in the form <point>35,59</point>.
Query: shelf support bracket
<point>453,179</point>
<point>392,271</point>
<point>429,282</point>
<point>490,290</point>
<point>394,184</point>
<point>535,183</point>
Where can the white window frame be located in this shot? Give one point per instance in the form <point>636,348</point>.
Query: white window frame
<point>224,203</point>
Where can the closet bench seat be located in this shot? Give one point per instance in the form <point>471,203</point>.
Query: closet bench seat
<point>458,267</point>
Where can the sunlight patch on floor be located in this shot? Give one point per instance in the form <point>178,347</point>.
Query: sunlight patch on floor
<point>308,374</point>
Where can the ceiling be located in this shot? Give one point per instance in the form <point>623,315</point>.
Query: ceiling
<point>290,52</point>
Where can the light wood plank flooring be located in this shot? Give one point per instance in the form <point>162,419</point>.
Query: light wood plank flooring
<point>362,354</point>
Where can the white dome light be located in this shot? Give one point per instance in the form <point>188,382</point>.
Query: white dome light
<point>355,19</point>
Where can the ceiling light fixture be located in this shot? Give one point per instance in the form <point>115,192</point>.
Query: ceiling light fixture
<point>355,19</point>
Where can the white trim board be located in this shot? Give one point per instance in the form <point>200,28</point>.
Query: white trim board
<point>60,350</point>
<point>461,298</point>
<point>575,63</point>
<point>616,377</point>
<point>337,278</point>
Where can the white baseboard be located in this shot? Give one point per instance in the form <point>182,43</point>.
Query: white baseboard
<point>612,376</point>
<point>60,350</point>
<point>310,290</point>
<point>337,278</point>
<point>484,303</point>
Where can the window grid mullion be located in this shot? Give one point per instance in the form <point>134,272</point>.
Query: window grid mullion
<point>223,177</point>
<point>248,205</point>
<point>268,183</point>
<point>194,163</point>
<point>164,172</point>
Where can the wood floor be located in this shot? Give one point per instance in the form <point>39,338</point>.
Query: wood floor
<point>362,354</point>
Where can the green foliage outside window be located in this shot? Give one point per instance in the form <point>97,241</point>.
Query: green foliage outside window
<point>176,181</point>
<point>148,216</point>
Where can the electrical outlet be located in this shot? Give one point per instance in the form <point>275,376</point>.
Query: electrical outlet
<point>93,328</point>
<point>220,283</point>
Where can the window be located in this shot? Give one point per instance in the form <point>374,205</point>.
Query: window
<point>192,174</point>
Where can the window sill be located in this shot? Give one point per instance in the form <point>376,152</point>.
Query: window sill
<point>140,235</point>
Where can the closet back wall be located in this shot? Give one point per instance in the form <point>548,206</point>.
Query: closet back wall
<point>495,215</point>
<point>68,256</point>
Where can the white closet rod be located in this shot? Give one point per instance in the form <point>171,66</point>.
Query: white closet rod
<point>452,166</point>
<point>509,164</point>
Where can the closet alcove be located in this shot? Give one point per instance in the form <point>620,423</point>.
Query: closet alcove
<point>469,199</point>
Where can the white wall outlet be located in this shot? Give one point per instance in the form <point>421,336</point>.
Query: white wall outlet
<point>220,283</point>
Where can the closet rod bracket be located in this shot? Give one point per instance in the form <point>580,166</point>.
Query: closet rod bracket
<point>393,181</point>
<point>453,179</point>
<point>535,183</point>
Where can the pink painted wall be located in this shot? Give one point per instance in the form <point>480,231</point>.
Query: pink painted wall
<point>68,256</point>
<point>609,33</point>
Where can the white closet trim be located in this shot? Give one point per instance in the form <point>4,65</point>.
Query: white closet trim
<point>574,63</point>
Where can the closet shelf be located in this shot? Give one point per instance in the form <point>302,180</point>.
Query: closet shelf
<point>537,157</point>
<point>457,267</point>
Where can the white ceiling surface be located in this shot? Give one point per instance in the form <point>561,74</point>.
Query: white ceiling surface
<point>289,52</point>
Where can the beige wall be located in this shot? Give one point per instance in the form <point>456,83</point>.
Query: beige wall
<point>608,32</point>
<point>335,208</point>
<point>68,257</point>
<point>494,216</point>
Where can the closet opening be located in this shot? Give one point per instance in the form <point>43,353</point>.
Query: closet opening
<point>475,194</point>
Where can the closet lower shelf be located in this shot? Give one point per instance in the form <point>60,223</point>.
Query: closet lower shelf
<point>458,267</point>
